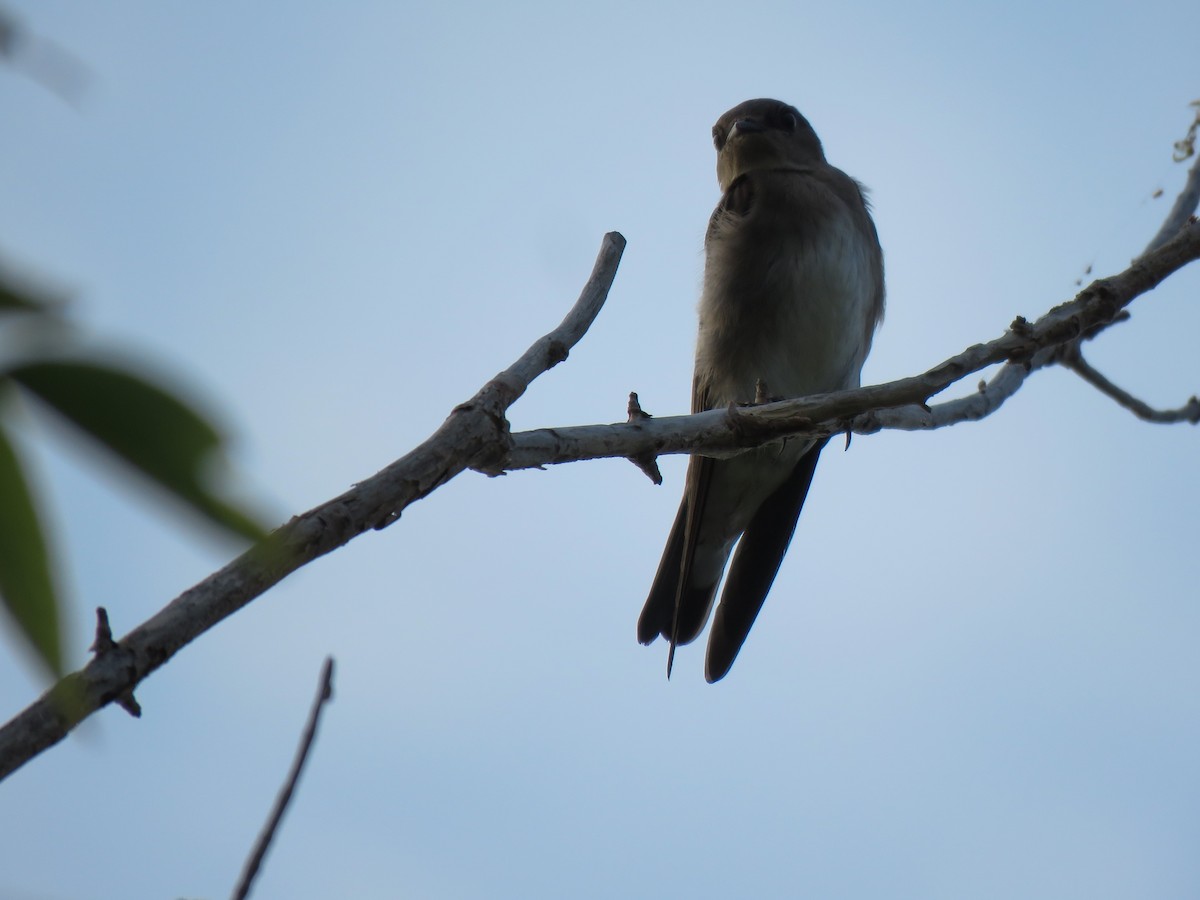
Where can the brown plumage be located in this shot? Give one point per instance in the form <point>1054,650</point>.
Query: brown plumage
<point>793,292</point>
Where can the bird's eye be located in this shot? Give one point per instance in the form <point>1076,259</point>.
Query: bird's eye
<point>718,138</point>
<point>787,122</point>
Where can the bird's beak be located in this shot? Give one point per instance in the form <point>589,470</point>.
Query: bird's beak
<point>747,126</point>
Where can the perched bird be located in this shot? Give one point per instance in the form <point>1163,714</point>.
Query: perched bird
<point>793,292</point>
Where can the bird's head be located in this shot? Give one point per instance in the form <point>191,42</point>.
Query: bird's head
<point>763,134</point>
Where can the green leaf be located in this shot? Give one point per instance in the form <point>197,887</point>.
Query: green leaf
<point>26,586</point>
<point>148,427</point>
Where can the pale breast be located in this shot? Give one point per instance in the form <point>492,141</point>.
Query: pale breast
<point>789,296</point>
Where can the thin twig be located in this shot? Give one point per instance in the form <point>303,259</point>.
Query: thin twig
<point>970,408</point>
<point>1071,356</point>
<point>324,695</point>
<point>1073,359</point>
<point>1189,197</point>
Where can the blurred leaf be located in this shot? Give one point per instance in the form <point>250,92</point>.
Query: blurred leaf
<point>145,425</point>
<point>25,584</point>
<point>17,297</point>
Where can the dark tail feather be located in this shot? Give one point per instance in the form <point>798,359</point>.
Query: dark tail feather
<point>755,563</point>
<point>658,615</point>
<point>659,610</point>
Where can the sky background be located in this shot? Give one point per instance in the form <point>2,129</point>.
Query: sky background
<point>976,675</point>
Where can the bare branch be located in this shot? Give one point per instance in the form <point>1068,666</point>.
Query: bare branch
<point>971,408</point>
<point>1073,359</point>
<point>324,695</point>
<point>473,431</point>
<point>1189,197</point>
<point>1071,356</point>
<point>896,404</point>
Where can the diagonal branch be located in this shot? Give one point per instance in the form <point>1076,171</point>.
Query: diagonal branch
<point>263,844</point>
<point>473,430</point>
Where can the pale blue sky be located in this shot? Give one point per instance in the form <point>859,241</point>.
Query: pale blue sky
<point>976,675</point>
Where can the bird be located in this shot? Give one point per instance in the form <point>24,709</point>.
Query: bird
<point>791,298</point>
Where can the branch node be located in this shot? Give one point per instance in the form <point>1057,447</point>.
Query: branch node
<point>104,645</point>
<point>1120,316</point>
<point>557,351</point>
<point>1068,354</point>
<point>1020,327</point>
<point>647,462</point>
<point>763,395</point>
<point>389,518</point>
<point>104,642</point>
<point>649,467</point>
<point>490,459</point>
<point>1192,410</point>
<point>634,411</point>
